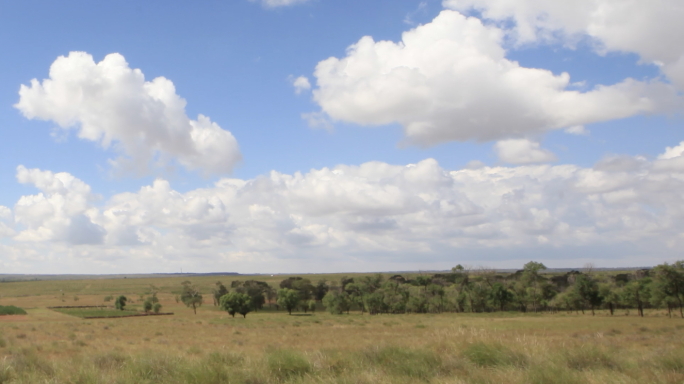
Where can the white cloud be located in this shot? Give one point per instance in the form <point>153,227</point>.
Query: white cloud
<point>62,212</point>
<point>300,84</point>
<point>371,216</point>
<point>279,3</point>
<point>672,152</point>
<point>522,151</point>
<point>649,28</point>
<point>450,80</point>
<point>110,103</point>
<point>579,130</point>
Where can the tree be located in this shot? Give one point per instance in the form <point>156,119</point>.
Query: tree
<point>610,297</point>
<point>500,296</point>
<point>235,302</point>
<point>588,290</point>
<point>156,307</point>
<point>531,279</point>
<point>120,302</point>
<point>147,306</point>
<point>321,290</point>
<point>218,292</point>
<point>337,301</point>
<point>288,298</point>
<point>191,296</point>
<point>669,283</point>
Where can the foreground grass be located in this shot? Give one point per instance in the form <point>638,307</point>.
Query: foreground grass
<point>272,347</point>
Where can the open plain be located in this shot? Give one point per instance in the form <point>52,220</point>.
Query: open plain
<point>270,346</point>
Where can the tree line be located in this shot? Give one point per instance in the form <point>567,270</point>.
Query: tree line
<point>462,290</point>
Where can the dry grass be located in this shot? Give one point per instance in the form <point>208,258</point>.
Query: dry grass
<point>272,347</point>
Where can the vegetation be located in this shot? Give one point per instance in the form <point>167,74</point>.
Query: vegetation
<point>11,310</point>
<point>464,326</point>
<point>191,296</point>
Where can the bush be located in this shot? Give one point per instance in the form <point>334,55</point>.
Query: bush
<point>156,307</point>
<point>108,298</point>
<point>285,364</point>
<point>11,310</point>
<point>491,355</point>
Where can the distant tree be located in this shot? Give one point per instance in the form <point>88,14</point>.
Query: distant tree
<point>500,296</point>
<point>669,284</point>
<point>147,305</point>
<point>218,292</point>
<point>608,292</point>
<point>321,289</point>
<point>531,280</point>
<point>289,299</point>
<point>191,296</point>
<point>636,293</point>
<point>312,305</point>
<point>337,301</point>
<point>235,302</point>
<point>120,302</point>
<point>156,307</point>
<point>587,289</point>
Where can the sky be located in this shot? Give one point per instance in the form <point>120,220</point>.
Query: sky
<point>284,136</point>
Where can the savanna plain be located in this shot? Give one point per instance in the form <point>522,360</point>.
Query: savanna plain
<point>272,346</point>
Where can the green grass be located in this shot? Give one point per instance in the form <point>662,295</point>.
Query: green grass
<point>95,312</point>
<point>11,310</point>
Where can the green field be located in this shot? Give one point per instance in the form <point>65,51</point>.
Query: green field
<point>95,312</point>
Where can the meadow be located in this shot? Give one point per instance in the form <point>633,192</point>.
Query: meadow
<point>270,346</point>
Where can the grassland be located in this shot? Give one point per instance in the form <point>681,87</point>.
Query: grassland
<point>269,346</point>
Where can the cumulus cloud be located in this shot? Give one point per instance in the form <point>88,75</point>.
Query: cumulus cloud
<point>112,104</point>
<point>450,80</point>
<point>373,215</point>
<point>522,151</point>
<point>300,84</point>
<point>650,29</point>
<point>278,3</point>
<point>672,152</point>
<point>61,212</point>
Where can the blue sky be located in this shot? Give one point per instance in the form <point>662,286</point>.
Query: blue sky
<point>494,143</point>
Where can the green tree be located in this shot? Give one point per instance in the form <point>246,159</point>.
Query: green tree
<point>235,302</point>
<point>500,296</point>
<point>157,307</point>
<point>120,302</point>
<point>218,292</point>
<point>191,296</point>
<point>337,301</point>
<point>147,305</point>
<point>531,279</point>
<point>610,296</point>
<point>669,283</point>
<point>587,289</point>
<point>289,299</point>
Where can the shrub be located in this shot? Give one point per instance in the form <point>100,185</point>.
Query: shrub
<point>108,298</point>
<point>285,364</point>
<point>156,307</point>
<point>491,355</point>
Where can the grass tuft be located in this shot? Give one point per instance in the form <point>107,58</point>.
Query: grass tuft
<point>492,355</point>
<point>286,364</point>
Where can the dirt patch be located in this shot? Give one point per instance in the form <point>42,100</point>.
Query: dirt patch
<point>7,318</point>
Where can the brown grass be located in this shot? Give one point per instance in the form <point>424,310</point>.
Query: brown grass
<point>271,347</point>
